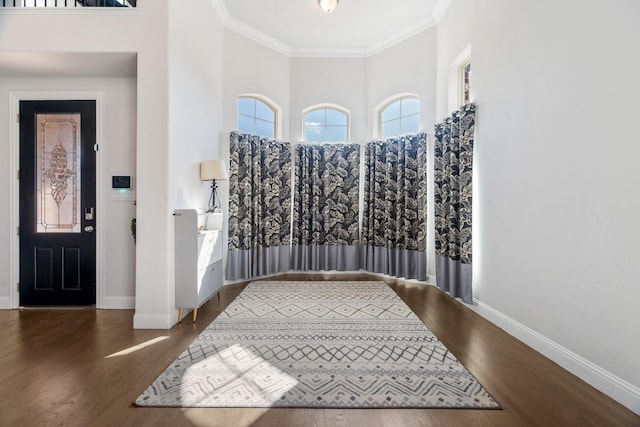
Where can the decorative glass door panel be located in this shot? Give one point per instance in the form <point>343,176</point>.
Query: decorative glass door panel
<point>58,204</point>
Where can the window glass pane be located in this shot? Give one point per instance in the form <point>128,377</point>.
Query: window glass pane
<point>391,128</point>
<point>410,106</point>
<point>335,117</point>
<point>411,124</point>
<point>58,173</point>
<point>391,112</point>
<point>315,117</point>
<point>314,134</point>
<point>264,128</point>
<point>251,110</point>
<point>264,112</point>
<point>336,134</point>
<point>466,96</point>
<point>246,106</point>
<point>245,124</point>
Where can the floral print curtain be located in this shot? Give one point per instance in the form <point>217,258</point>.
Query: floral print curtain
<point>259,206</point>
<point>394,211</point>
<point>325,207</point>
<point>453,170</point>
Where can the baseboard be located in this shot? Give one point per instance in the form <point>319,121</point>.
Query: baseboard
<point>154,321</point>
<point>618,389</point>
<point>118,303</point>
<point>109,303</point>
<point>430,280</point>
<point>5,303</point>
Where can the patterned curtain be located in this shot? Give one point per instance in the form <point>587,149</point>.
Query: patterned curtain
<point>259,206</point>
<point>453,169</point>
<point>394,212</point>
<point>325,207</point>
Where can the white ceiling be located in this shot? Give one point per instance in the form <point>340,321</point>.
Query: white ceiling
<point>298,28</point>
<point>356,28</point>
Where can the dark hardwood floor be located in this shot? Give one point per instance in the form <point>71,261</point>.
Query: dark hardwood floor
<point>85,367</point>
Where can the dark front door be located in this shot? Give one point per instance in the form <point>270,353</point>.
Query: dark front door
<point>57,203</point>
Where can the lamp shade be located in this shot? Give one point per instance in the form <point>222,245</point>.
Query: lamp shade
<point>213,169</point>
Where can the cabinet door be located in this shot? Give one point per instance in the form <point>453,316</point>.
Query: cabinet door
<point>210,248</point>
<point>210,282</point>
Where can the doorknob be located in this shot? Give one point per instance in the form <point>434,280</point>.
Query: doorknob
<point>89,229</point>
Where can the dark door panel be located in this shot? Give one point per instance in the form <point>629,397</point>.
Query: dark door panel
<point>57,202</point>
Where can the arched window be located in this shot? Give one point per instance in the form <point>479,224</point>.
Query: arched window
<point>256,116</point>
<point>398,116</point>
<point>326,123</point>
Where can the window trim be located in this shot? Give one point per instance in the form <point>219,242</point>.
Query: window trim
<point>461,75</point>
<point>277,111</point>
<point>384,104</point>
<point>455,84</point>
<point>326,106</point>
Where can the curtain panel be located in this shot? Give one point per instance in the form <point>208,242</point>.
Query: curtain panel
<point>259,206</point>
<point>453,170</point>
<point>326,207</point>
<point>394,211</point>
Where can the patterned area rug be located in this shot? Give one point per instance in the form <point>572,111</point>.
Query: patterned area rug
<point>317,344</point>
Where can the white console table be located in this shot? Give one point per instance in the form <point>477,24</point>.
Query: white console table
<point>198,260</point>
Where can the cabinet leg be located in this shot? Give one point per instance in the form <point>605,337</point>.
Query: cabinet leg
<point>180,315</point>
<point>195,314</point>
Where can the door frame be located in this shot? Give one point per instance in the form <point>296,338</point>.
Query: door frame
<point>14,190</point>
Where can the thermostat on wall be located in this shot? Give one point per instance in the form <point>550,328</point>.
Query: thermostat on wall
<point>120,182</point>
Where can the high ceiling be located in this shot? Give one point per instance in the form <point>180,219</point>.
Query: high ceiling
<point>355,28</point>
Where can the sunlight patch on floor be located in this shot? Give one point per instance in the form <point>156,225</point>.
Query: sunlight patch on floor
<point>137,347</point>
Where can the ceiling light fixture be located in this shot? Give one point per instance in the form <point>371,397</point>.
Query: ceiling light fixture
<point>328,5</point>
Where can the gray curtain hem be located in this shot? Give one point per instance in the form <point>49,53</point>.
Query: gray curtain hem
<point>325,257</point>
<point>455,278</point>
<point>251,263</point>
<point>406,263</point>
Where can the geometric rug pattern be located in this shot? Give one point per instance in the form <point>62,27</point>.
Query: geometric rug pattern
<point>317,344</point>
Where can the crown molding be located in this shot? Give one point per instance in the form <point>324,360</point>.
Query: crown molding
<point>400,37</point>
<point>440,9</point>
<point>221,11</point>
<point>251,33</point>
<point>257,36</point>
<point>329,53</point>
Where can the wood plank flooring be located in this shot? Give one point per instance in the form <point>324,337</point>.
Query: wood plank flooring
<point>85,367</point>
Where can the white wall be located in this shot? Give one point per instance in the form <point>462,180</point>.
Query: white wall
<point>339,81</point>
<point>195,115</point>
<point>556,185</point>
<point>119,149</point>
<point>167,149</point>
<point>195,99</point>
<point>143,31</point>
<point>409,66</point>
<point>21,33</point>
<point>357,84</point>
<point>250,67</point>
<point>154,225</point>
